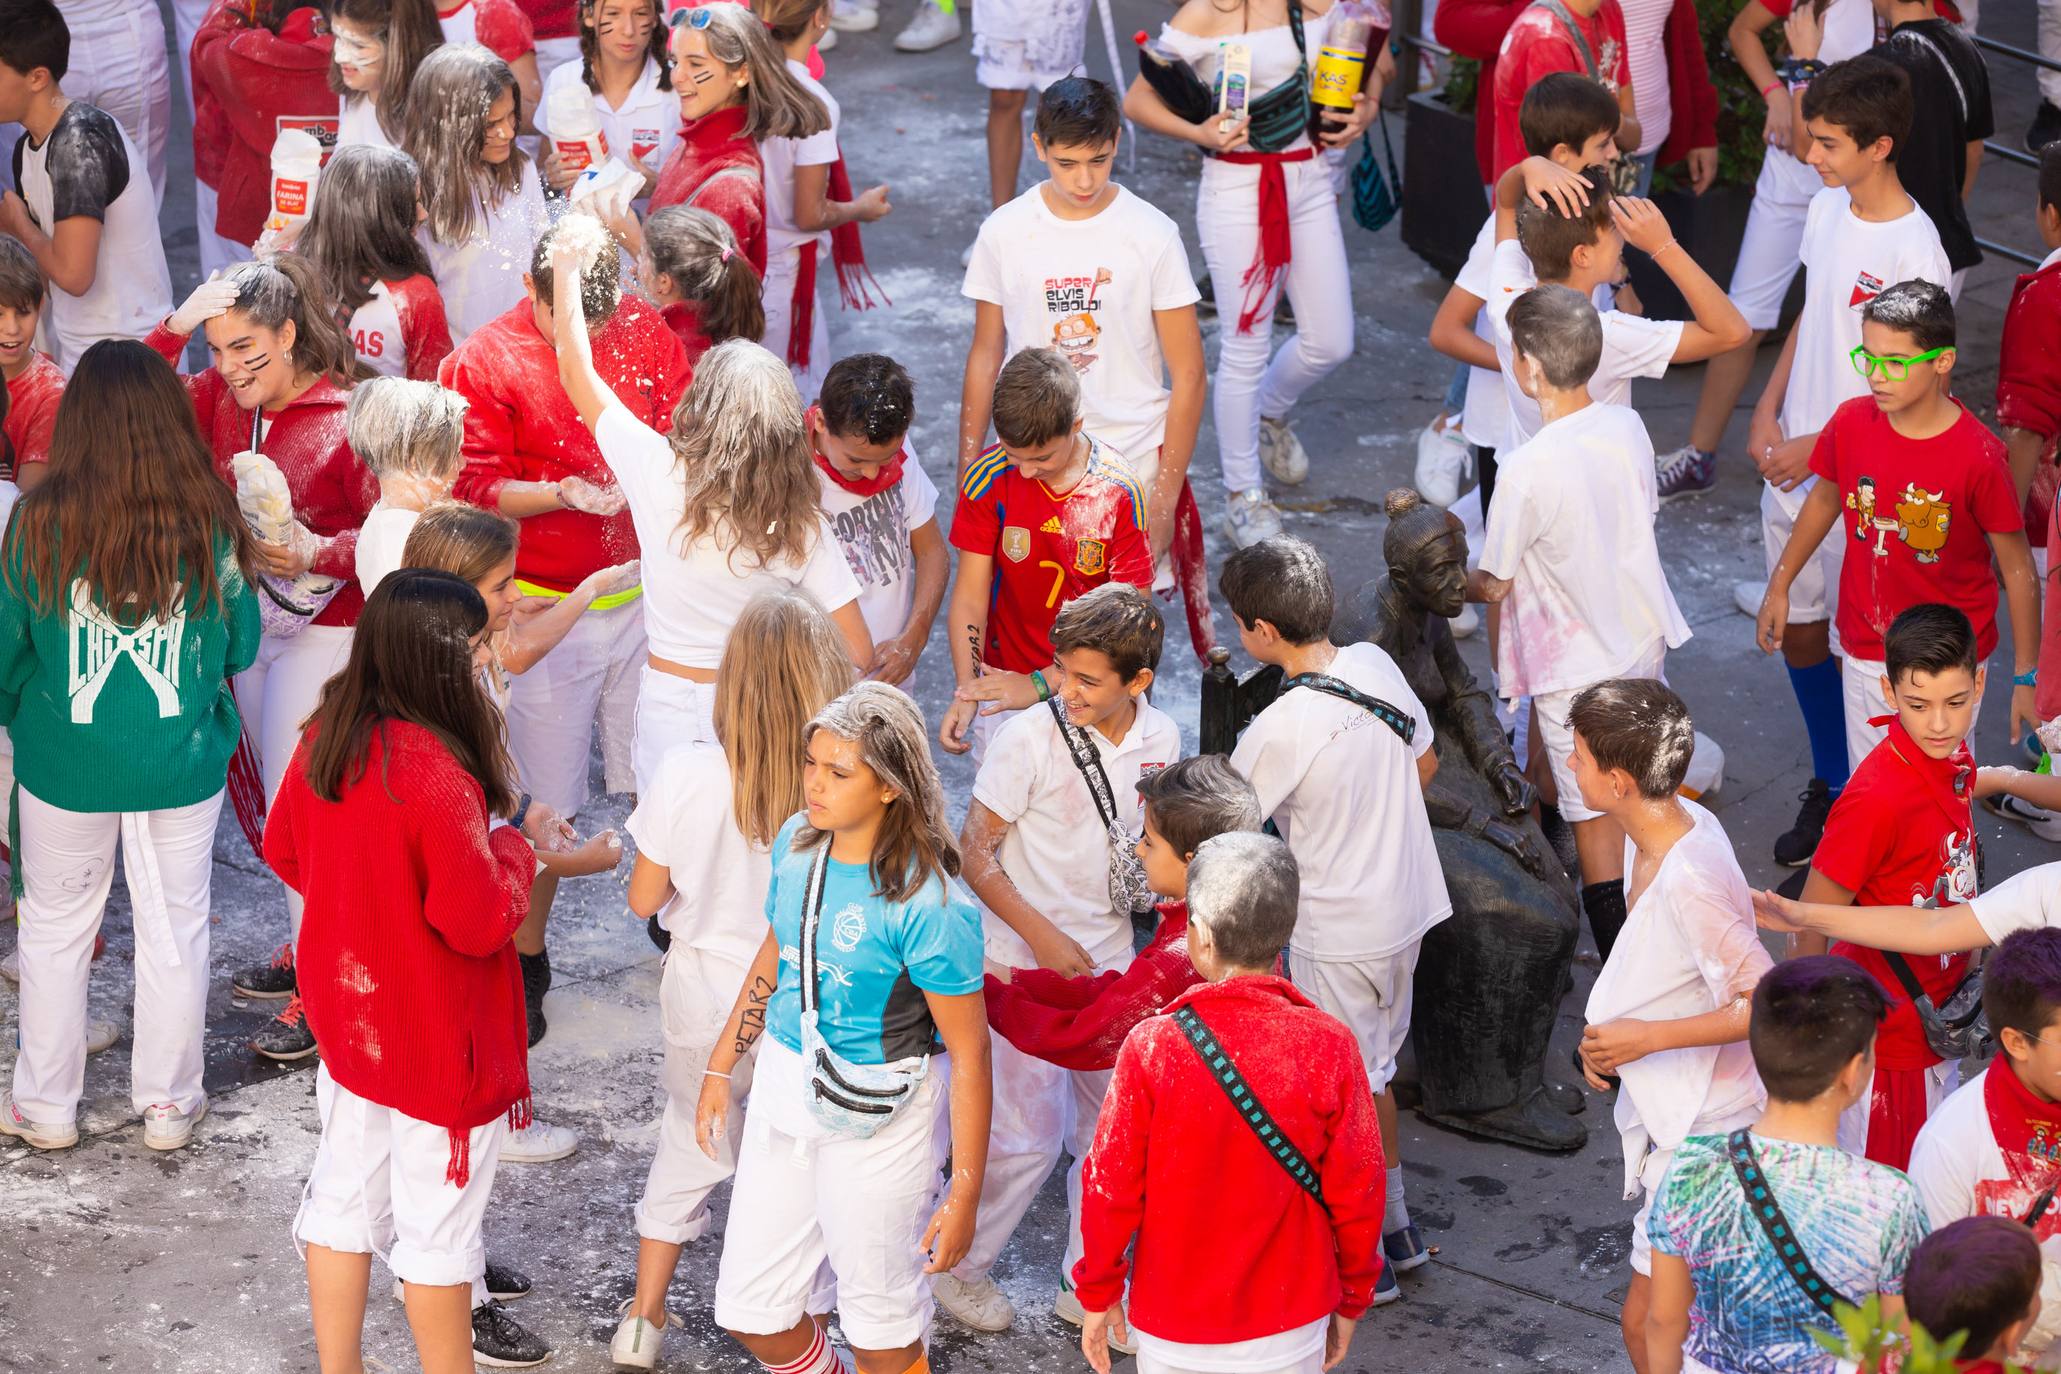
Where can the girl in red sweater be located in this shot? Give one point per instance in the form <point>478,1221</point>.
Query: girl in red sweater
<point>360,237</point>
<point>378,46</point>
<point>397,821</point>
<point>278,386</point>
<point>690,267</point>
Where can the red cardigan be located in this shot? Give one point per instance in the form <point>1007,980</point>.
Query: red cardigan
<point>1475,28</point>
<point>1080,1023</point>
<point>332,491</point>
<point>1228,1247</point>
<point>715,143</point>
<point>406,969</point>
<point>520,426</point>
<point>247,82</point>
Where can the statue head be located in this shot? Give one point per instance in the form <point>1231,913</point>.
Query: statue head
<point>1427,554</point>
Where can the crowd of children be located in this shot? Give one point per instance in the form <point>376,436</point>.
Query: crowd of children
<point>524,439</point>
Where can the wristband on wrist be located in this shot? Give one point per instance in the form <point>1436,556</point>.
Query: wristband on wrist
<point>711,1073</point>
<point>522,809</point>
<point>2029,678</point>
<point>1775,85</point>
<point>1038,681</point>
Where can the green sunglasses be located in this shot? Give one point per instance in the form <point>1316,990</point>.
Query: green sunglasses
<point>1890,369</point>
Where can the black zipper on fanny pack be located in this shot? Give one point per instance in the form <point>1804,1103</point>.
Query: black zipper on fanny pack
<point>869,1108</point>
<point>829,1071</point>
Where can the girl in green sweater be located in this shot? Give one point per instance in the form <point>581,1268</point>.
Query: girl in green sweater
<point>121,623</point>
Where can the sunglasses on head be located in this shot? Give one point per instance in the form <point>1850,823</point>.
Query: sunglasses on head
<point>1890,368</point>
<point>700,17</point>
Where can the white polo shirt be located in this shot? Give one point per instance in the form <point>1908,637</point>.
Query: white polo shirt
<point>643,130</point>
<point>1057,850</point>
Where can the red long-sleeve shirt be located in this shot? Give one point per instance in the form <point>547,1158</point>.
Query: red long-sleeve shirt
<point>709,145</point>
<point>405,963</point>
<point>32,401</point>
<point>257,82</point>
<point>1228,1246</point>
<point>520,426</point>
<point>425,339</point>
<point>332,491</point>
<point>1080,1023</point>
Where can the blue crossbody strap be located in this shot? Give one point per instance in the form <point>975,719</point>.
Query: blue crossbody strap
<point>1760,1200</point>
<point>1250,1109</point>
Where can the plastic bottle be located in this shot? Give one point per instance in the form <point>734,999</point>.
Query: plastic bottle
<point>1155,51</point>
<point>576,128</point>
<point>296,167</point>
<point>1357,27</point>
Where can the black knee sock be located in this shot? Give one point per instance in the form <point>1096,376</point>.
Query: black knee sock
<point>1605,904</point>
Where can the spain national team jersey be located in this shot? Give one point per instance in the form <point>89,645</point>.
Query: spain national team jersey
<point>1048,549</point>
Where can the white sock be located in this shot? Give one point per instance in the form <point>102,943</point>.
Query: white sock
<point>1394,1215</point>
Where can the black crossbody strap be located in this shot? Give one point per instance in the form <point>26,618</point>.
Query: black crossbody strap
<point>1901,967</point>
<point>1760,1200</point>
<point>1250,1109</point>
<point>1404,724</point>
<point>812,916</point>
<point>1088,761</point>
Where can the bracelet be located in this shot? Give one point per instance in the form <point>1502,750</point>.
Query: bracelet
<point>1671,243</point>
<point>1776,84</point>
<point>2026,679</point>
<point>1037,678</point>
<point>522,809</point>
<point>711,1073</point>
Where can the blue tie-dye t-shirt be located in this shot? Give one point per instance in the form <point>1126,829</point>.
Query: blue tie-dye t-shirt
<point>1858,1221</point>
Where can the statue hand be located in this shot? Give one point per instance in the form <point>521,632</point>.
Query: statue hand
<point>1512,788</point>
<point>1513,842</point>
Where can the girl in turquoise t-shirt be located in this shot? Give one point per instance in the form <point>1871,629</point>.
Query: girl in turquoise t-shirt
<point>871,964</point>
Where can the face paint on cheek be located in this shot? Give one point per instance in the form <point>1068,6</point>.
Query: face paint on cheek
<point>701,78</point>
<point>257,363</point>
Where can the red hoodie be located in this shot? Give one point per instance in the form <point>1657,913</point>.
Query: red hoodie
<point>405,963</point>
<point>520,426</point>
<point>1080,1023</point>
<point>713,144</point>
<point>249,83</point>
<point>1228,1246</point>
<point>332,491</point>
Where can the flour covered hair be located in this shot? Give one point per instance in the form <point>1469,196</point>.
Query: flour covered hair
<point>915,843</point>
<point>1637,725</point>
<point>745,458</point>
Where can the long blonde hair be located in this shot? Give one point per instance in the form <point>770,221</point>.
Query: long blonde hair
<point>783,663</point>
<point>446,129</point>
<point>775,104</point>
<point>744,455</point>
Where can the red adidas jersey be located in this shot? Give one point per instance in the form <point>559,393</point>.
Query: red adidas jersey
<point>1048,549</point>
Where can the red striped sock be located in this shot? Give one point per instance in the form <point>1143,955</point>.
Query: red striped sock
<point>820,1358</point>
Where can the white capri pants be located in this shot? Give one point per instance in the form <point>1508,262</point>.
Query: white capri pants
<point>1372,998</point>
<point>276,695</point>
<point>379,1188</point>
<point>777,295</point>
<point>1767,260</point>
<point>1814,594</point>
<point>118,62</point>
<point>695,995</point>
<point>67,866</point>
<point>589,679</point>
<point>670,711</point>
<point>1249,383</point>
<point>1550,710</point>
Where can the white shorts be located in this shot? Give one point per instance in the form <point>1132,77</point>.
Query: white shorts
<point>1655,1169</point>
<point>859,1205</point>
<point>695,994</point>
<point>589,679</point>
<point>1814,594</point>
<point>1026,45</point>
<point>982,734</point>
<point>1767,261</point>
<point>1550,710</point>
<point>1372,997</point>
<point>378,1187</point>
<point>671,711</point>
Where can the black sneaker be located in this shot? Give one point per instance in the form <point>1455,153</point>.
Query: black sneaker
<point>505,1284</point>
<point>536,981</point>
<point>1794,847</point>
<point>499,1341</point>
<point>2046,127</point>
<point>660,936</point>
<point>286,1037</point>
<point>268,982</point>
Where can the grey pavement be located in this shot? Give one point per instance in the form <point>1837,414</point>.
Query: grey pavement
<point>115,1259</point>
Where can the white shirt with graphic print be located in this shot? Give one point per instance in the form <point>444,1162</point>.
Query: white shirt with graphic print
<point>874,533</point>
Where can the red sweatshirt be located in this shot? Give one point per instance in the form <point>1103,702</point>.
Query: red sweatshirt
<point>716,143</point>
<point>685,321</point>
<point>551,18</point>
<point>405,963</point>
<point>1228,1246</point>
<point>1080,1023</point>
<point>520,426</point>
<point>32,410</point>
<point>260,82</point>
<point>332,491</point>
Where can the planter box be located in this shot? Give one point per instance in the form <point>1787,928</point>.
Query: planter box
<point>1710,226</point>
<point>1443,202</point>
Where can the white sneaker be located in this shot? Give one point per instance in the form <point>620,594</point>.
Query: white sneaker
<point>1282,453</point>
<point>1068,1309</point>
<point>538,1143</point>
<point>1442,457</point>
<point>931,28</point>
<point>1747,596</point>
<point>165,1127</point>
<point>854,16</point>
<point>2041,822</point>
<point>981,1306</point>
<point>636,1340</point>
<point>10,967</point>
<point>829,39</point>
<point>1250,517</point>
<point>41,1135</point>
<point>1466,623</point>
<point>101,1035</point>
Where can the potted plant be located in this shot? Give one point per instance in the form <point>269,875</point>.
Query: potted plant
<point>1442,200</point>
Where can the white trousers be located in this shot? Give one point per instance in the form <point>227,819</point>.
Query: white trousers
<point>216,253</point>
<point>671,711</point>
<point>2050,48</point>
<point>67,864</point>
<point>695,995</point>
<point>1249,383</point>
<point>186,19</point>
<point>590,679</point>
<point>276,695</point>
<point>118,62</point>
<point>777,295</point>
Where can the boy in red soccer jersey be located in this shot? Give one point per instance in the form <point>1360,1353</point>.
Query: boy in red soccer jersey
<point>1043,516</point>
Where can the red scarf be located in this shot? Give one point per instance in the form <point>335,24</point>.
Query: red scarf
<point>847,256</point>
<point>2027,1129</point>
<point>1276,241</point>
<point>889,474</point>
<point>1191,573</point>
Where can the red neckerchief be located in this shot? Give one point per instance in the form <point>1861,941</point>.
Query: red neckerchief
<point>889,474</point>
<point>2027,1130</point>
<point>1948,781</point>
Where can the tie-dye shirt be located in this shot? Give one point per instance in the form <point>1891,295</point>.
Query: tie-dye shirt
<point>1858,1222</point>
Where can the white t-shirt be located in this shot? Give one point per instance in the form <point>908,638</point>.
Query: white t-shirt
<point>683,821</point>
<point>1688,947</point>
<point>1632,347</point>
<point>874,533</point>
<point>2024,901</point>
<point>482,276</point>
<point>1486,419</point>
<point>88,167</point>
<point>1645,52</point>
<point>694,594</point>
<point>460,25</point>
<point>1056,851</point>
<point>1572,527</point>
<point>1342,789</point>
<point>375,330</point>
<point>381,542</point>
<point>643,130</point>
<point>781,156</point>
<point>1088,288</point>
<point>357,124</point>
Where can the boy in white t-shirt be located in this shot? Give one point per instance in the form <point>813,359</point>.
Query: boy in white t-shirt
<point>1860,235</point>
<point>1669,1012</point>
<point>1340,761</point>
<point>411,435</point>
<point>1079,264</point>
<point>1571,557</point>
<point>1049,849</point>
<point>882,505</point>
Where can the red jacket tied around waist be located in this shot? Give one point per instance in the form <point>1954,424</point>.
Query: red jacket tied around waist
<point>248,83</point>
<point>332,491</point>
<point>1229,1247</point>
<point>521,427</point>
<point>406,969</point>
